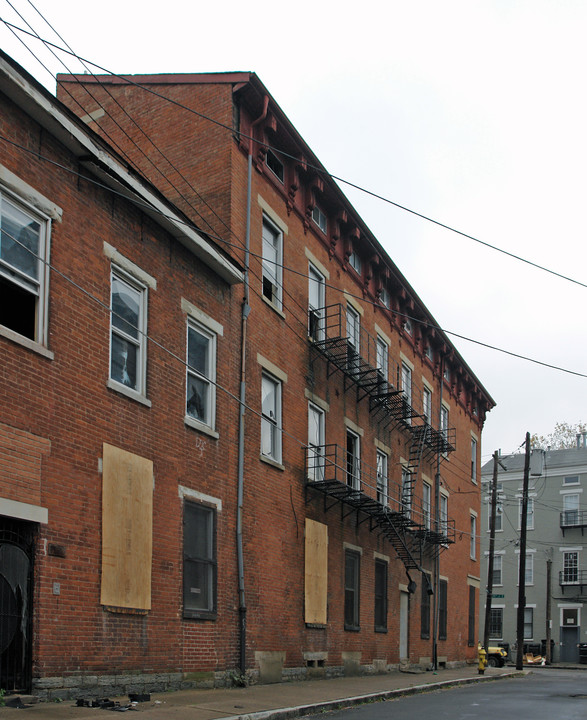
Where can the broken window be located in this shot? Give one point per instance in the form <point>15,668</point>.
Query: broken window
<point>199,560</point>
<point>23,275</point>
<point>272,259</point>
<point>271,417</point>
<point>201,374</point>
<point>128,331</point>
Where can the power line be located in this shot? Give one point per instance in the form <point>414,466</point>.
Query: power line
<point>319,169</point>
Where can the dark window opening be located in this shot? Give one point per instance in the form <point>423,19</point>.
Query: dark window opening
<point>424,611</point>
<point>442,609</point>
<point>275,165</point>
<point>199,561</point>
<point>18,308</point>
<point>351,590</point>
<point>380,595</point>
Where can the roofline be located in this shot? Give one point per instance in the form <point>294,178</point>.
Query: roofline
<point>240,79</point>
<point>50,113</point>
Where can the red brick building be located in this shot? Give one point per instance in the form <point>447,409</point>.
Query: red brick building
<point>271,478</point>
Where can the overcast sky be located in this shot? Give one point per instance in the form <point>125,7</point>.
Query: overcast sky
<point>473,113</point>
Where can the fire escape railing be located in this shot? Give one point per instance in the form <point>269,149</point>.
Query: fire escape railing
<point>570,519</point>
<point>573,577</point>
<point>392,509</point>
<point>349,348</point>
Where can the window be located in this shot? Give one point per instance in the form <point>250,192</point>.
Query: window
<point>424,610</point>
<point>407,388</point>
<point>427,505</point>
<point>442,609</point>
<point>201,374</point>
<point>24,239</point>
<point>271,418</point>
<point>352,566</point>
<point>446,373</point>
<point>497,570</point>
<point>408,326</point>
<point>496,623</point>
<point>407,489</point>
<point>353,339</point>
<point>275,165</point>
<point>444,514</point>
<point>380,595</point>
<point>444,422</point>
<point>473,537</point>
<point>315,443</point>
<point>382,477</point>
<point>498,518</point>
<point>528,623</point>
<point>472,613</point>
<point>355,262</point>
<point>272,261</point>
<point>427,405</point>
<point>128,331</point>
<point>474,460</point>
<point>199,560</point>
<point>316,303</point>
<point>570,509</point>
<point>429,353</point>
<point>384,297</point>
<point>529,514</point>
<point>382,358</point>
<point>571,480</point>
<point>529,574</point>
<point>320,219</point>
<point>353,477</point>
<point>570,567</point>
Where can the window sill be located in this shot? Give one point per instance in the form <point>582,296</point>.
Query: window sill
<point>352,628</point>
<point>273,306</point>
<point>26,342</point>
<point>202,427</point>
<point>200,615</point>
<point>381,630</point>
<point>128,392</point>
<point>316,626</point>
<point>271,462</point>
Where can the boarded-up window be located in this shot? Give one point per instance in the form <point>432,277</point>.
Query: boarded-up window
<point>316,573</point>
<point>127,529</point>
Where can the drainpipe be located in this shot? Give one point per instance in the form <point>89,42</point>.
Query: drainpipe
<point>436,569</point>
<point>246,309</point>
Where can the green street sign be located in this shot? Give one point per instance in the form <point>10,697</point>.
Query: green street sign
<point>497,596</point>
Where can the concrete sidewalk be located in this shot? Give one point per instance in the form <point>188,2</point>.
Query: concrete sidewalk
<point>272,702</point>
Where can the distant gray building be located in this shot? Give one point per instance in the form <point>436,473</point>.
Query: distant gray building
<point>557,521</point>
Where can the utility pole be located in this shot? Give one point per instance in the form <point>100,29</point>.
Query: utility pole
<point>491,552</point>
<point>548,611</point>
<point>522,573</point>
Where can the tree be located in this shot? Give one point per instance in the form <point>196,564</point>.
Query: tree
<point>563,436</point>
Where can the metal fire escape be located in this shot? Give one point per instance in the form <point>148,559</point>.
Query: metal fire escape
<point>398,514</point>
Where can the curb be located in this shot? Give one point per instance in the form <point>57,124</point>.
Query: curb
<point>342,703</point>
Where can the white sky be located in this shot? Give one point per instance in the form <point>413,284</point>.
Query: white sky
<point>471,112</point>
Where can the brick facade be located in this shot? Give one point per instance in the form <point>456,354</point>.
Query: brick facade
<point>64,408</point>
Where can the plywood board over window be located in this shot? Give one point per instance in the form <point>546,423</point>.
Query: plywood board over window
<point>316,573</point>
<point>127,529</point>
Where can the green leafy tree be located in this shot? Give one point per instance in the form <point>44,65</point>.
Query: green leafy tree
<point>563,436</point>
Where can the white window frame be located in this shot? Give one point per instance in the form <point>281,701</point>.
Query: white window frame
<point>571,480</point>
<point>140,342</point>
<point>474,448</point>
<point>272,266</point>
<point>382,478</point>
<point>427,505</point>
<point>443,514</point>
<point>529,576</point>
<point>473,544</point>
<point>574,566</point>
<point>316,463</point>
<point>528,611</point>
<point>382,352</point>
<point>498,569</point>
<point>353,473</point>
<point>38,286</point>
<point>406,377</point>
<point>317,288</point>
<point>320,219</point>
<point>209,380</point>
<point>529,514</point>
<point>427,404</point>
<point>355,262</point>
<point>384,297</point>
<point>353,333</point>
<point>271,429</point>
<point>444,421</point>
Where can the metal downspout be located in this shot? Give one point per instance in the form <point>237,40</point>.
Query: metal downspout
<point>246,309</point>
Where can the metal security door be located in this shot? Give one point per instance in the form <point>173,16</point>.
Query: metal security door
<point>16,566</point>
<point>569,650</point>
